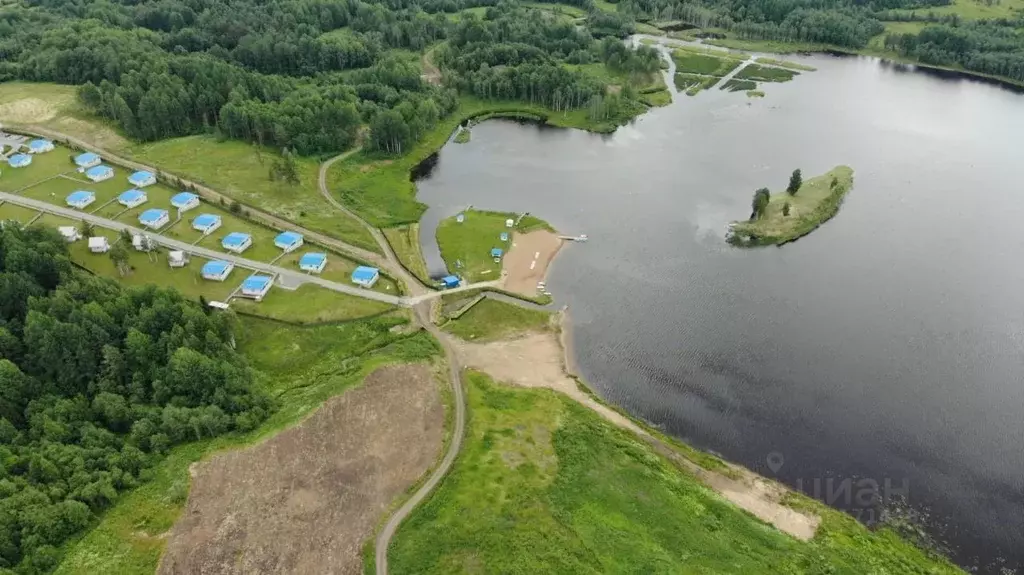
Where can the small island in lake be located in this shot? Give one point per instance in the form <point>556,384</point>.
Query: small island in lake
<point>782,217</point>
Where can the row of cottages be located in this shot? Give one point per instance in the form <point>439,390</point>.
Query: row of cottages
<point>80,199</point>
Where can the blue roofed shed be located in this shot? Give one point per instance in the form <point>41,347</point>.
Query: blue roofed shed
<point>313,262</point>
<point>365,276</point>
<point>217,270</point>
<point>236,242</point>
<point>132,198</point>
<point>99,173</point>
<point>450,281</point>
<point>87,160</point>
<point>154,218</point>
<point>20,160</point>
<point>496,252</point>
<point>80,199</point>
<point>206,223</point>
<point>288,241</point>
<point>142,179</point>
<point>256,286</point>
<point>184,201</point>
<point>40,146</point>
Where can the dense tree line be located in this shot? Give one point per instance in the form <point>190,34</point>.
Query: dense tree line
<point>96,383</point>
<point>990,47</point>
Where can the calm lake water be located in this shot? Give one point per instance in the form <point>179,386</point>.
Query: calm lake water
<point>886,348</point>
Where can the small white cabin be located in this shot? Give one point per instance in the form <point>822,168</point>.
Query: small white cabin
<point>98,244</point>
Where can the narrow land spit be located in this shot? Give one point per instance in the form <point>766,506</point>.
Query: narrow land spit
<point>306,500</point>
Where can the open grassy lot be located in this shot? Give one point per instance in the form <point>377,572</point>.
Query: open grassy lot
<point>766,74</point>
<point>544,485</point>
<point>405,242</point>
<point>492,319</point>
<point>310,304</point>
<point>709,65</point>
<point>55,106</point>
<point>786,64</point>
<point>241,171</point>
<point>816,202</point>
<point>16,213</point>
<point>301,368</point>
<point>43,166</point>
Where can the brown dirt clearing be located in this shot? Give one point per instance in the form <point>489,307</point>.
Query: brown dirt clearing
<point>527,261</point>
<point>307,499</point>
<point>27,111</point>
<point>537,360</point>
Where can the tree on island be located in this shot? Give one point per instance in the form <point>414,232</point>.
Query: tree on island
<point>795,181</point>
<point>759,204</point>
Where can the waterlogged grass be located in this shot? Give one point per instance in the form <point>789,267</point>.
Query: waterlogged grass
<point>735,85</point>
<point>766,74</point>
<point>301,368</point>
<point>755,94</point>
<point>786,64</point>
<point>773,46</point>
<point>544,485</point>
<point>463,136</point>
<point>491,319</point>
<point>694,63</point>
<point>692,84</point>
<point>816,202</point>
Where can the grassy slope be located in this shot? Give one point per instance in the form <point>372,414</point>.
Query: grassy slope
<point>240,171</point>
<point>814,204</point>
<point>491,319</point>
<point>405,242</point>
<point>546,486</point>
<point>301,367</point>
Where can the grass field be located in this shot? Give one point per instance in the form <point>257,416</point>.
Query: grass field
<point>692,84</point>
<point>405,242</point>
<point>491,319</point>
<point>472,240</point>
<point>786,64</point>
<point>16,213</point>
<point>241,171</point>
<point>690,62</point>
<point>310,304</point>
<point>301,368</point>
<point>55,106</point>
<point>816,202</point>
<point>766,74</point>
<point>545,486</point>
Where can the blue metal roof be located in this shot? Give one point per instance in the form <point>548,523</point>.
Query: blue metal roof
<point>364,273</point>
<point>450,281</point>
<point>235,239</point>
<point>152,215</point>
<point>312,259</point>
<point>131,196</point>
<point>86,158</point>
<point>496,252</point>
<point>256,283</point>
<point>287,238</point>
<point>98,170</point>
<point>19,160</point>
<point>140,177</point>
<point>39,144</point>
<point>206,220</point>
<point>180,199</point>
<point>215,267</point>
<point>80,196</point>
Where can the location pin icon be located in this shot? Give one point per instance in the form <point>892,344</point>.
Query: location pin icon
<point>775,461</point>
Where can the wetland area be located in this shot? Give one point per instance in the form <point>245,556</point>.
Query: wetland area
<point>883,350</point>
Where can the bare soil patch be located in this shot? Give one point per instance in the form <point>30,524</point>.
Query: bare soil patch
<point>528,259</point>
<point>306,500</point>
<point>537,360</point>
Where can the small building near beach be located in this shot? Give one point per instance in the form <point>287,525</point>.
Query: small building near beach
<point>19,160</point>
<point>256,286</point>
<point>206,223</point>
<point>99,244</point>
<point>87,160</point>
<point>365,276</point>
<point>216,270</point>
<point>450,282</point>
<point>142,179</point>
<point>504,236</point>
<point>99,173</point>
<point>288,241</point>
<point>496,253</point>
<point>236,242</point>
<point>154,218</point>
<point>80,199</point>
<point>40,146</point>
<point>185,201</point>
<point>313,262</point>
<point>132,198</point>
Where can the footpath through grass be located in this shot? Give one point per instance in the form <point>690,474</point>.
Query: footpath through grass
<point>544,485</point>
<point>491,319</point>
<point>301,368</point>
<point>816,202</point>
<point>466,246</point>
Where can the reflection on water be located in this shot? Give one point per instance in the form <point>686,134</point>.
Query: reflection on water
<point>883,350</point>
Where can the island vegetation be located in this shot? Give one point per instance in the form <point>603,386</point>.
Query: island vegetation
<point>782,217</point>
<point>462,136</point>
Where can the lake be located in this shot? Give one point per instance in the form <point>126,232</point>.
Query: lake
<point>886,348</point>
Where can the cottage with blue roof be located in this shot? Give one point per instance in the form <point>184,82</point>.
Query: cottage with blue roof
<point>185,201</point>
<point>236,242</point>
<point>450,281</point>
<point>142,179</point>
<point>19,160</point>
<point>99,173</point>
<point>154,218</point>
<point>80,199</point>
<point>256,286</point>
<point>40,146</point>
<point>313,262</point>
<point>216,270</point>
<point>87,160</point>
<point>288,241</point>
<point>504,236</point>
<point>132,198</point>
<point>206,223</point>
<point>365,276</point>
<point>496,253</point>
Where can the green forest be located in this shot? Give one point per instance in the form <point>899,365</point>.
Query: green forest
<point>97,382</point>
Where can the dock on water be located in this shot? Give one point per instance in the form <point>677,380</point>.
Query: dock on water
<point>579,238</point>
